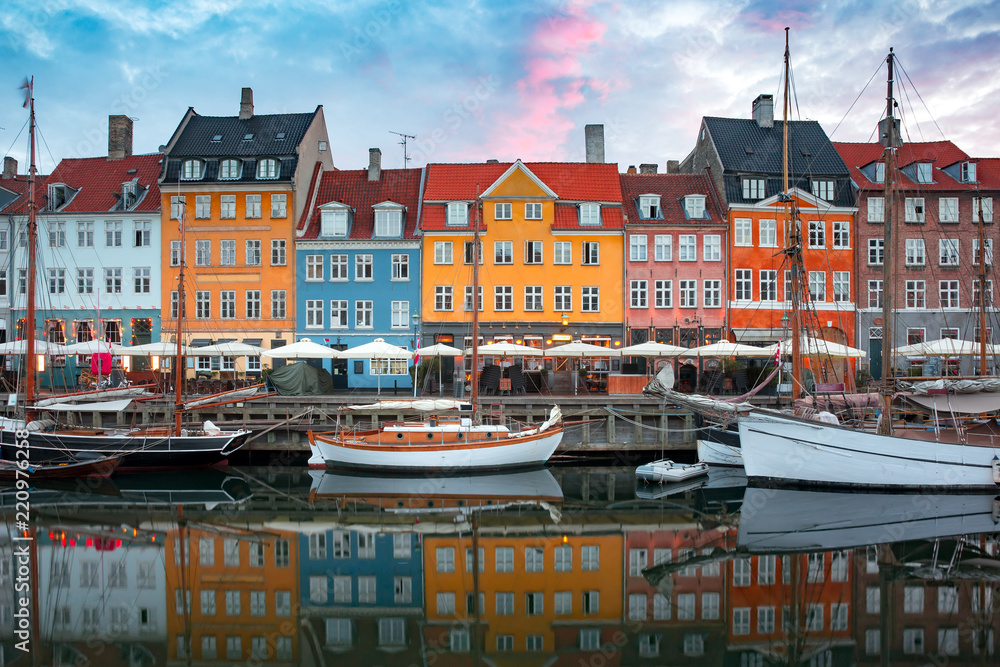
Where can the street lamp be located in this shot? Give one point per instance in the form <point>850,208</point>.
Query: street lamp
<point>416,343</point>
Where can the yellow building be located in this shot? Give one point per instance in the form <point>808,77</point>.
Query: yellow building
<point>236,185</point>
<point>241,594</point>
<point>552,265</point>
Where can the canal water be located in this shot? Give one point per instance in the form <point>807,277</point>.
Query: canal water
<point>564,566</point>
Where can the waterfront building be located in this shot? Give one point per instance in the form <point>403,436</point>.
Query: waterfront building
<point>14,209</point>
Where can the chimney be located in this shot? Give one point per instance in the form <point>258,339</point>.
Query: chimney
<point>631,169</point>
<point>493,160</point>
<point>595,143</point>
<point>648,168</point>
<point>374,164</point>
<point>119,137</point>
<point>763,110</point>
<point>246,104</point>
<point>673,167</point>
<point>9,167</point>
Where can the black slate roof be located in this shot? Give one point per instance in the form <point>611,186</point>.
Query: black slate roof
<point>746,148</point>
<point>196,138</point>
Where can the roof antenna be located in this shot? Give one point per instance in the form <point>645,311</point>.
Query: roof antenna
<point>402,142</point>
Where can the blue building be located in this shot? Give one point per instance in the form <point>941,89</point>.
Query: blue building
<point>357,259</point>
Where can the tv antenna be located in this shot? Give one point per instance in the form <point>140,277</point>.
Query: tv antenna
<point>402,142</point>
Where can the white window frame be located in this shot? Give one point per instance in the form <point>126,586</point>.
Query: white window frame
<point>743,232</point>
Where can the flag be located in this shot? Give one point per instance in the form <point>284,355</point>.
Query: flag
<point>777,354</point>
<point>27,88</point>
<point>416,358</point>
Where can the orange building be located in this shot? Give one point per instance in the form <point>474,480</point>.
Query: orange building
<point>242,594</point>
<point>535,591</point>
<point>237,184</point>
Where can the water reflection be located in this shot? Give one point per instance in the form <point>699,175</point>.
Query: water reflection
<point>564,566</point>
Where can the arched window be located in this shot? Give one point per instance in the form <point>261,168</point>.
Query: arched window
<point>229,169</point>
<point>192,169</point>
<point>267,168</point>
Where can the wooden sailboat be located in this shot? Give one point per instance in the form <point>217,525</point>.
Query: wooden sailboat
<point>787,450</point>
<point>443,443</point>
<point>152,446</point>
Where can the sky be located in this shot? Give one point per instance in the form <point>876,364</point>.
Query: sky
<point>473,80</point>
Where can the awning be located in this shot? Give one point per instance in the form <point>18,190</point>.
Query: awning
<point>759,335</point>
<point>964,403</point>
<point>252,341</point>
<point>201,342</point>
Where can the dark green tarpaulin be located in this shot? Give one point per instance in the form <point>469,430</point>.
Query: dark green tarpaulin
<point>300,380</point>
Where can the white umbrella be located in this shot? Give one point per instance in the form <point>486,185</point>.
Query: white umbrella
<point>41,347</point>
<point>160,348</point>
<point>577,350</point>
<point>652,349</point>
<point>438,350</point>
<point>819,347</point>
<point>943,347</point>
<point>304,349</point>
<point>724,348</point>
<point>378,349</point>
<point>96,346</point>
<point>503,349</point>
<point>231,349</point>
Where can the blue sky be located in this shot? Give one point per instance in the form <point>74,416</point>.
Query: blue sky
<point>478,80</point>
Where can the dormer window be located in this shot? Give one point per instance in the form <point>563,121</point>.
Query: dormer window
<point>279,136</point>
<point>229,169</point>
<point>388,220</point>
<point>924,172</point>
<point>59,196</point>
<point>649,207</point>
<point>590,215</point>
<point>694,207</point>
<point>968,172</point>
<point>333,222</point>
<point>823,189</point>
<point>217,138</point>
<point>248,136</point>
<point>192,170</point>
<point>880,172</point>
<point>754,188</point>
<point>267,168</point>
<point>129,194</point>
<point>458,213</point>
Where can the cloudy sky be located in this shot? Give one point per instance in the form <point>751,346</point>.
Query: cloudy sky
<point>473,80</point>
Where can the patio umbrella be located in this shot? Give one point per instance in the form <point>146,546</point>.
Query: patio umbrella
<point>231,349</point>
<point>304,349</point>
<point>943,347</point>
<point>377,349</point>
<point>41,347</point>
<point>160,348</point>
<point>577,350</point>
<point>438,350</point>
<point>652,349</point>
<point>96,346</point>
<point>507,350</point>
<point>724,348</point>
<point>819,347</point>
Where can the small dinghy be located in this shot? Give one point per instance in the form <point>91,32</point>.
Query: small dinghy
<point>666,470</point>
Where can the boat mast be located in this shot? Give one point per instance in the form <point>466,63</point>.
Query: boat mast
<point>179,354</point>
<point>890,141</point>
<point>475,307</point>
<point>29,312</point>
<point>982,289</point>
<point>793,244</point>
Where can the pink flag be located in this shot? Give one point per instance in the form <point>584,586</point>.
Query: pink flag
<point>777,354</point>
<point>27,88</point>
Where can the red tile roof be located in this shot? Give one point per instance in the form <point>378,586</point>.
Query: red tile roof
<point>941,153</point>
<point>98,179</point>
<point>19,185</point>
<point>571,181</point>
<point>400,186</point>
<point>671,188</point>
<point>568,217</point>
<point>988,173</point>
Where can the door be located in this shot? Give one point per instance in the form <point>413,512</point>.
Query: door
<point>875,357</point>
<point>338,370</point>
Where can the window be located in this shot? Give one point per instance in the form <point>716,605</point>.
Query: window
<point>768,285</point>
<point>842,286</point>
<point>363,267</point>
<point>442,252</point>
<point>637,248</point>
<point>503,252</point>
<point>227,252</point>
<point>989,252</point>
<point>232,603</point>
<point>446,604</point>
<point>57,281</point>
<point>113,280</point>
<point>712,249</point>
<point>534,603</point>
<point>191,169</point>
<point>753,188</point>
<point>591,299</point>
<point>947,600</point>
<point>278,301</point>
<point>467,303</point>
<point>177,205</point>
<point>57,234</point>
<point>916,293</point>
<point>741,621</point>
<point>535,643</point>
<point>342,589</point>
<point>532,252</point>
<point>817,234</point>
<point>562,252</point>
<point>663,247</point>
<point>505,604</point>
<point>445,559</point>
<point>688,292</point>
<point>113,233</point>
<point>502,211</point>
<point>876,209</point>
<point>258,603</point>
<point>338,313</point>
<point>948,641</point>
<point>234,647</point>
<point>590,639</point>
<point>637,607</point>
<point>590,558</point>
<point>913,641</point>
<point>876,252</point>
<point>252,206</point>
<point>915,255</point>
<point>503,298</point>
<point>768,233</point>
<point>649,207</point>
<point>713,293</point>
<point>267,168</point>
<point>533,297</point>
<point>314,267</point>
<point>203,207</point>
<point>400,312</point>
<point>694,207</point>
<point>924,172</point>
<point>948,293</point>
<point>637,292</point>
<point>687,247</point>
<point>590,214</point>
<point>563,298</point>
<point>841,234</point>
<point>814,617</point>
<point>202,253</point>
<point>968,172</point>
<point>314,313</point>
<point>458,213</point>
<point>744,285</point>
<point>948,209</point>
<point>766,569</point>
<point>982,206</point>
<point>765,620</point>
<point>458,640</point>
<point>741,572</point>
<point>533,211</point>
<point>638,559</point>
<point>663,294</point>
<point>823,189</point>
<point>402,590</point>
<point>278,255</point>
<point>333,222</point>
<point>591,253</point>
<point>363,314</point>
<point>388,222</point>
<point>84,235</point>
<point>229,169</point>
<point>279,206</point>
<point>743,232</point>
<point>948,252</point>
<point>227,207</point>
<point>442,297</point>
<point>253,304</point>
<point>914,209</point>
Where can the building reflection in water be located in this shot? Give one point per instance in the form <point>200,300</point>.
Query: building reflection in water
<point>291,568</point>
